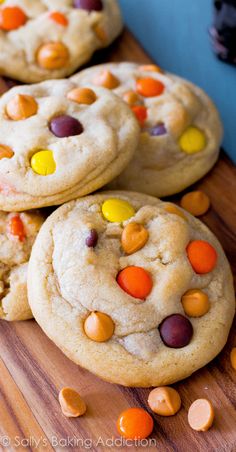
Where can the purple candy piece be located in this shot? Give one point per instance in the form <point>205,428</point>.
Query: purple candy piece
<point>176,331</point>
<point>91,240</point>
<point>65,126</point>
<point>158,130</point>
<point>89,5</point>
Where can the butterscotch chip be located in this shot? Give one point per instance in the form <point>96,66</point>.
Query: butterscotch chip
<point>107,80</point>
<point>165,401</point>
<point>195,303</point>
<point>196,202</point>
<point>101,34</point>
<point>131,97</point>
<point>171,208</point>
<point>233,358</point>
<point>134,237</point>
<point>5,152</point>
<point>201,415</point>
<point>72,404</point>
<point>53,55</point>
<point>21,107</point>
<point>82,96</point>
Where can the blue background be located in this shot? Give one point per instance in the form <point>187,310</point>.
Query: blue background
<point>175,34</point>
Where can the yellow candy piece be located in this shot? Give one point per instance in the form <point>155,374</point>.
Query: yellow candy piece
<point>117,210</point>
<point>192,140</point>
<point>43,162</point>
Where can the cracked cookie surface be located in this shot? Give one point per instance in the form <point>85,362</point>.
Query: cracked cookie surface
<point>96,311</point>
<point>56,146</point>
<point>181,131</point>
<point>17,235</point>
<point>48,39</point>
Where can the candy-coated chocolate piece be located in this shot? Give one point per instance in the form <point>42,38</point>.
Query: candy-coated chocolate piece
<point>135,423</point>
<point>131,97</point>
<point>89,5</point>
<point>16,227</point>
<point>84,96</point>
<point>195,303</point>
<point>65,126</point>
<point>192,140</point>
<point>106,79</point>
<point>134,237</point>
<point>201,415</point>
<point>233,358</point>
<point>11,18</point>
<point>117,210</point>
<point>92,238</point>
<point>164,401</point>
<point>158,130</point>
<point>149,87</point>
<point>135,281</point>
<point>53,55</point>
<point>171,208</point>
<point>59,18</point>
<point>176,331</point>
<point>21,106</point>
<point>141,113</point>
<point>99,327</point>
<point>5,152</point>
<point>43,162</point>
<point>150,68</point>
<point>202,256</point>
<point>72,405</point>
<point>196,202</point>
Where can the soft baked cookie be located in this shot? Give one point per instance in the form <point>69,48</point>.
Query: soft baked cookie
<point>134,289</point>
<point>47,39</point>
<point>58,142</point>
<point>180,127</point>
<point>17,235</point>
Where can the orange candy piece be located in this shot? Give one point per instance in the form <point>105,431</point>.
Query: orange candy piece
<point>11,18</point>
<point>141,113</point>
<point>201,415</point>
<point>135,423</point>
<point>195,303</point>
<point>202,256</point>
<point>17,228</point>
<point>59,18</point>
<point>135,281</point>
<point>149,87</point>
<point>196,202</point>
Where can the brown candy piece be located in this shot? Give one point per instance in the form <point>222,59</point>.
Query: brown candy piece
<point>134,237</point>
<point>106,79</point>
<point>5,152</point>
<point>72,404</point>
<point>84,96</point>
<point>53,55</point>
<point>195,303</point>
<point>201,415</point>
<point>165,401</point>
<point>21,107</point>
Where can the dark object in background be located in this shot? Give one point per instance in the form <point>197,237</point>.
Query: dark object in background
<point>223,32</point>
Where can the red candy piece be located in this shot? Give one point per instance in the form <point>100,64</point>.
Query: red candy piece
<point>17,228</point>
<point>202,256</point>
<point>141,113</point>
<point>135,281</point>
<point>149,87</point>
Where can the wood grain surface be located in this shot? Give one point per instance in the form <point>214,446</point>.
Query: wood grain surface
<point>33,369</point>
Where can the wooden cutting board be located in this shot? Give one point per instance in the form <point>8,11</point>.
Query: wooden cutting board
<point>33,370</point>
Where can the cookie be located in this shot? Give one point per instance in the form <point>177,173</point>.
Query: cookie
<point>180,128</point>
<point>58,142</point>
<point>17,235</point>
<point>133,289</point>
<point>44,39</point>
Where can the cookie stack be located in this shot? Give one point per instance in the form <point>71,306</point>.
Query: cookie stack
<point>128,286</point>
